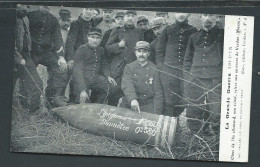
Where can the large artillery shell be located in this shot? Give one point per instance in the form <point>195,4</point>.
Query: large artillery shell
<point>121,123</point>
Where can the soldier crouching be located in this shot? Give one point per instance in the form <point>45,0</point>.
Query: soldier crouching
<point>86,70</point>
<point>141,84</point>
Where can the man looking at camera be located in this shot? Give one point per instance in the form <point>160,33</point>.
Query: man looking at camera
<point>141,84</point>
<point>86,70</point>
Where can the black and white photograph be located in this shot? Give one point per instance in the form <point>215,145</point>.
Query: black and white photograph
<point>131,83</point>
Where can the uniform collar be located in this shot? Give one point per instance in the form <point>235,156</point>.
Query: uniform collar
<point>142,65</point>
<point>179,24</point>
<point>91,47</point>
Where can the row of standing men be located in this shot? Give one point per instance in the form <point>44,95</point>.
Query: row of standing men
<point>189,61</point>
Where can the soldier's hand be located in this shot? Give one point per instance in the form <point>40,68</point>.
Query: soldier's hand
<point>135,105</point>
<point>22,62</point>
<point>70,64</point>
<point>122,43</point>
<point>112,81</point>
<point>62,63</point>
<point>83,97</point>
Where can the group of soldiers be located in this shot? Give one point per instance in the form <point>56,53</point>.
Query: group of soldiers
<point>153,67</point>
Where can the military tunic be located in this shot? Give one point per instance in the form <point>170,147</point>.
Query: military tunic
<point>153,45</point>
<point>87,74</point>
<point>29,79</point>
<point>170,52</point>
<point>203,63</point>
<point>143,84</point>
<point>149,36</point>
<point>47,46</point>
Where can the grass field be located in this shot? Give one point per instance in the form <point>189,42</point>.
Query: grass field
<point>42,133</point>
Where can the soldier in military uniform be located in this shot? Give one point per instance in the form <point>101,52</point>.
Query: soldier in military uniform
<point>77,36</point>
<point>157,26</point>
<point>108,22</point>
<point>143,24</point>
<point>113,96</point>
<point>164,15</point>
<point>47,49</point>
<point>170,51</point>
<point>29,81</point>
<point>120,45</point>
<point>141,83</point>
<point>203,62</point>
<point>86,70</point>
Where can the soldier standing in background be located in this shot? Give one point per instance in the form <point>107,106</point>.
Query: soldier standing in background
<point>96,13</point>
<point>170,51</point>
<point>110,64</point>
<point>108,22</point>
<point>141,83</point>
<point>203,62</point>
<point>121,44</point>
<point>143,24</point>
<point>29,81</point>
<point>77,36</point>
<point>157,26</point>
<point>164,15</point>
<point>47,49</point>
<point>65,21</point>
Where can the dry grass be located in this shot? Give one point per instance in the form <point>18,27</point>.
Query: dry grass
<point>42,133</point>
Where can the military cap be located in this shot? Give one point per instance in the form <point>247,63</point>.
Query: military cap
<point>131,11</point>
<point>64,14</point>
<point>141,19</point>
<point>119,14</point>
<point>157,22</point>
<point>160,12</point>
<point>96,31</point>
<point>142,45</point>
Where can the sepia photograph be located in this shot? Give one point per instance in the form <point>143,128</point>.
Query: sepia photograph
<point>131,83</point>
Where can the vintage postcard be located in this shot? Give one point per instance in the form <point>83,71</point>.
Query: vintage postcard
<point>132,83</point>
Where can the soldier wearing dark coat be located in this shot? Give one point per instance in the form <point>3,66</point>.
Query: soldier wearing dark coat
<point>170,52</point>
<point>157,26</point>
<point>87,73</point>
<point>121,44</point>
<point>203,65</point>
<point>77,36</point>
<point>113,96</point>
<point>141,83</point>
<point>47,49</point>
<point>29,81</point>
<point>143,24</point>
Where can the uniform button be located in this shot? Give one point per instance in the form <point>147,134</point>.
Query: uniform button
<point>180,44</point>
<point>205,42</point>
<point>144,89</point>
<point>144,95</point>
<point>205,46</point>
<point>179,52</point>
<point>147,68</point>
<point>134,81</point>
<point>146,75</point>
<point>179,56</point>
<point>180,39</point>
<point>179,60</point>
<point>203,59</point>
<point>204,68</point>
<point>181,36</point>
<point>203,54</point>
<point>179,48</point>
<point>146,82</point>
<point>135,74</point>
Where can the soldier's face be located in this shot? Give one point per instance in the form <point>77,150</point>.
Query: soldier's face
<point>208,20</point>
<point>95,13</point>
<point>87,13</point>
<point>129,19</point>
<point>108,14</point>
<point>158,30</point>
<point>119,21</point>
<point>181,17</point>
<point>143,25</point>
<point>94,40</point>
<point>65,24</point>
<point>142,55</point>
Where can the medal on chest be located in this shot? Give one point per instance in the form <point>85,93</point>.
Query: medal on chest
<point>150,80</point>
